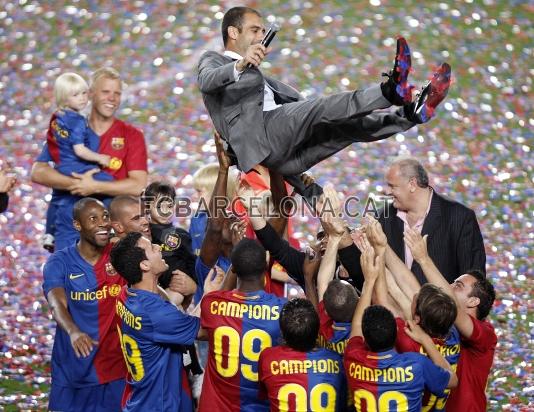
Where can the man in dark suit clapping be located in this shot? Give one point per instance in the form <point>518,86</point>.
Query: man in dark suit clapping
<point>455,243</point>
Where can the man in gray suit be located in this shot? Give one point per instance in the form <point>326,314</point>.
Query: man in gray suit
<point>264,121</point>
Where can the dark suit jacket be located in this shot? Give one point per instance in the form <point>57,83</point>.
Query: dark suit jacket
<point>454,241</point>
<point>236,108</point>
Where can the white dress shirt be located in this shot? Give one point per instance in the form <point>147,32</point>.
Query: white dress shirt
<point>268,94</point>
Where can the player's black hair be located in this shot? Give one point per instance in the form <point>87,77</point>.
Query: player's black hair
<point>340,299</point>
<point>379,328</point>
<point>126,258</point>
<point>81,204</point>
<point>234,17</point>
<point>248,259</point>
<point>299,324</point>
<point>483,290</point>
<point>155,189</point>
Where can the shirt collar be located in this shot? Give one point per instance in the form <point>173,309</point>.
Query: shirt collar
<point>402,215</point>
<point>232,55</point>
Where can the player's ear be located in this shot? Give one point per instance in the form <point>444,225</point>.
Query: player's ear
<point>117,227</point>
<point>145,265</point>
<point>473,302</point>
<point>77,225</point>
<point>417,319</point>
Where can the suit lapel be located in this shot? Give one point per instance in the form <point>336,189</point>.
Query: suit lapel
<point>432,220</point>
<point>396,237</point>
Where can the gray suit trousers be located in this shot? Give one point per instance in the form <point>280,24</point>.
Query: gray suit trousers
<point>302,134</point>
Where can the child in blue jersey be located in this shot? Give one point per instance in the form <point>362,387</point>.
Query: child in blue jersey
<point>151,330</point>
<point>377,374</point>
<point>71,143</point>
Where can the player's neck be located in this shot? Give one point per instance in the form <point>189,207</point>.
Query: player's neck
<point>248,286</point>
<point>89,252</point>
<point>100,124</point>
<point>148,283</point>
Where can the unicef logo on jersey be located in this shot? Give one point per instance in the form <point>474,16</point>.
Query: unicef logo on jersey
<point>111,291</point>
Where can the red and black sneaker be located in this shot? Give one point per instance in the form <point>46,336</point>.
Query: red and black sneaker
<point>432,94</point>
<point>397,89</point>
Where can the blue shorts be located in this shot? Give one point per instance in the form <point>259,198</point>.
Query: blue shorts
<point>99,398</point>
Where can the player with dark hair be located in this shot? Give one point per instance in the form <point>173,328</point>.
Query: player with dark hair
<point>378,375</point>
<point>81,287</point>
<point>240,323</point>
<point>151,329</point>
<point>296,375</point>
<point>474,296</point>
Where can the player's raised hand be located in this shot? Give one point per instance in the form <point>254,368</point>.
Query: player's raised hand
<point>223,158</point>
<point>6,182</point>
<point>237,231</point>
<point>370,262</point>
<point>416,243</point>
<point>414,331</point>
<point>182,283</point>
<point>376,236</point>
<point>214,280</point>
<point>82,343</point>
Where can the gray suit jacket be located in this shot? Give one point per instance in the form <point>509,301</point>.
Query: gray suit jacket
<point>236,108</point>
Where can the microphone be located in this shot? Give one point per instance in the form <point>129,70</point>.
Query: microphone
<point>269,36</point>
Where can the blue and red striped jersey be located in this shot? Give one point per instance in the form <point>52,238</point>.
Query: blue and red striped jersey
<point>449,349</point>
<point>390,380</point>
<point>239,325</point>
<point>332,335</point>
<point>303,381</point>
<point>151,331</point>
<point>91,293</point>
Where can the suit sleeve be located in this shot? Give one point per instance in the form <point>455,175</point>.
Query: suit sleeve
<point>212,76</point>
<point>291,259</point>
<point>350,259</point>
<point>470,253</point>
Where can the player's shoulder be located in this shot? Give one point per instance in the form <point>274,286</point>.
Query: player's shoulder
<point>324,353</point>
<point>64,255</point>
<point>212,55</point>
<point>127,129</point>
<point>219,295</point>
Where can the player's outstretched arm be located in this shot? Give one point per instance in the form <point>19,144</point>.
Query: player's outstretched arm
<point>81,342</point>
<point>404,276</point>
<point>417,245</point>
<point>211,246</point>
<point>370,264</point>
<point>398,302</point>
<point>334,227</point>
<point>310,268</point>
<point>414,331</point>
